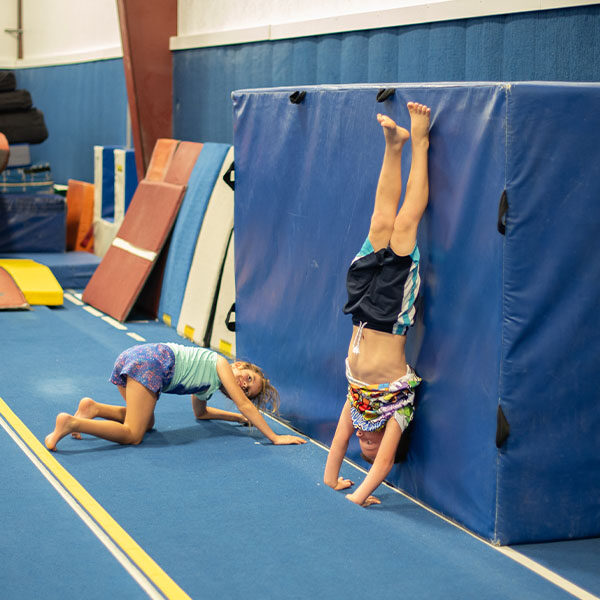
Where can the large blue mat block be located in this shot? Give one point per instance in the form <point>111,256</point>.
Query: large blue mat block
<point>186,230</point>
<point>502,323</point>
<point>32,223</point>
<point>549,471</point>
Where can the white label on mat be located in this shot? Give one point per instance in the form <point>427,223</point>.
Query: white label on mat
<point>125,245</point>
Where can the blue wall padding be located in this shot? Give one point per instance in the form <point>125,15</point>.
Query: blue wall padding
<point>550,45</point>
<point>84,105</point>
<point>187,227</point>
<point>32,223</point>
<point>498,323</point>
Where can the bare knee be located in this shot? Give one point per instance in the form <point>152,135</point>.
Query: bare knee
<point>404,236</point>
<point>86,404</point>
<point>150,424</point>
<point>406,223</point>
<point>133,438</point>
<point>381,227</point>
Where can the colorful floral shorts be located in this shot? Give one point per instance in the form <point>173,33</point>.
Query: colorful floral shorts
<point>152,365</point>
<point>371,406</point>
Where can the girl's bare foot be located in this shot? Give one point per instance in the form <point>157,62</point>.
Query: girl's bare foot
<point>61,429</point>
<point>395,136</point>
<point>87,410</point>
<point>419,121</point>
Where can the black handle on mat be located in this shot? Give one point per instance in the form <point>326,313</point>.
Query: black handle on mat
<point>228,322</point>
<point>385,93</point>
<point>297,97</point>
<point>227,176</point>
<point>502,212</point>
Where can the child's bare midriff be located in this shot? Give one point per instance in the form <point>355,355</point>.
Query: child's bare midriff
<point>381,357</point>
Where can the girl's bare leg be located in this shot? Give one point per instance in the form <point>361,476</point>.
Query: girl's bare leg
<point>89,409</point>
<point>139,413</point>
<point>389,186</point>
<point>404,236</point>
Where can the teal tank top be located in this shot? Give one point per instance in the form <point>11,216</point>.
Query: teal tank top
<point>195,371</point>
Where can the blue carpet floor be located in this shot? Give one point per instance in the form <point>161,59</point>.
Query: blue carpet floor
<point>222,511</point>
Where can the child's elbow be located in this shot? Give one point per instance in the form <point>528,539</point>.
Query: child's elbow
<point>199,408</point>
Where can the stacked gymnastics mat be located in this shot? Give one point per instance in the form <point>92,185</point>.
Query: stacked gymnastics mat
<point>143,238</point>
<point>115,182</point>
<point>198,247</point>
<point>505,439</point>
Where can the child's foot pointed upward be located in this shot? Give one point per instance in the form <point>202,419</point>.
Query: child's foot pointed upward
<point>63,428</point>
<point>419,121</point>
<point>86,410</point>
<point>394,135</point>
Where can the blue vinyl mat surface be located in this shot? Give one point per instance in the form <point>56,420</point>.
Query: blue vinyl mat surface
<point>222,511</point>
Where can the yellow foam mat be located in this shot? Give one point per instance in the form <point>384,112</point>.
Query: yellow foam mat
<point>36,281</point>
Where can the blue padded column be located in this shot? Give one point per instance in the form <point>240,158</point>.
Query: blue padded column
<point>549,469</point>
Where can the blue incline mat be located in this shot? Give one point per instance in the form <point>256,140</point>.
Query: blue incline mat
<point>224,513</point>
<point>509,319</point>
<point>187,228</point>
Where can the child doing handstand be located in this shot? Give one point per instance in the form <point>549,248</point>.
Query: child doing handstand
<point>383,283</point>
<point>142,372</point>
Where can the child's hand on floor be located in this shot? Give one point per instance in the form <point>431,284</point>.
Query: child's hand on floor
<point>370,500</point>
<point>282,440</point>
<point>343,484</point>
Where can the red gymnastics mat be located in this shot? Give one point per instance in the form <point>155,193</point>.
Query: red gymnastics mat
<point>120,277</point>
<point>182,162</point>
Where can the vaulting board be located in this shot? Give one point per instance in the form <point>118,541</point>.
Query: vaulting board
<point>508,322</point>
<point>119,278</point>
<point>71,269</point>
<point>205,189</point>
<point>36,281</point>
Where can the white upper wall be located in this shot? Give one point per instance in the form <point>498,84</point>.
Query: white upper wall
<point>216,15</point>
<point>63,31</point>
<point>60,31</point>
<point>221,22</point>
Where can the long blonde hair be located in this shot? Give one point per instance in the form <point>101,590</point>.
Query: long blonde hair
<point>268,395</point>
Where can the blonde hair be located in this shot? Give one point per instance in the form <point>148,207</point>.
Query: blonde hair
<point>268,395</point>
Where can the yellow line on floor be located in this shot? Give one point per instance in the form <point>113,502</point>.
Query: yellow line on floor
<point>143,561</point>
